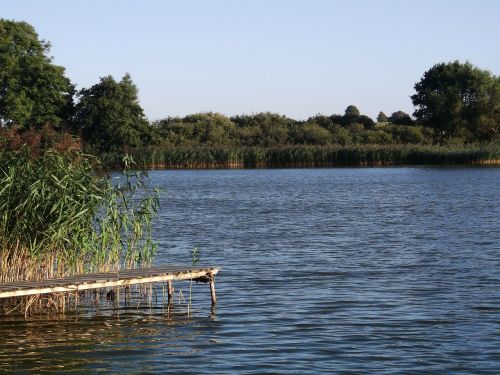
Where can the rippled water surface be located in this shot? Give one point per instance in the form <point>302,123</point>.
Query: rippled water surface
<point>377,270</point>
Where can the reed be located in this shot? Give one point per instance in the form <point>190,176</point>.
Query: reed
<point>195,258</point>
<point>206,157</point>
<point>58,217</point>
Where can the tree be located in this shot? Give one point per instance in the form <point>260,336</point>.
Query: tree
<point>33,90</point>
<point>110,117</point>
<point>366,121</point>
<point>272,128</point>
<point>337,119</point>
<point>210,128</point>
<point>321,120</point>
<point>401,118</point>
<point>351,114</point>
<point>459,99</point>
<point>382,117</point>
<point>310,133</point>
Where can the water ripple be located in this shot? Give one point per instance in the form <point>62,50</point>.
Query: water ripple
<point>377,270</point>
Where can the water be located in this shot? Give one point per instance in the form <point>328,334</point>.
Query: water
<point>376,270</point>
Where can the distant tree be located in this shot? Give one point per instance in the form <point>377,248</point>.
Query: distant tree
<point>321,120</point>
<point>337,119</point>
<point>379,137</point>
<point>351,115</point>
<point>273,129</point>
<point>401,118</point>
<point>210,128</point>
<point>352,111</point>
<point>310,133</point>
<point>356,131</point>
<point>409,134</point>
<point>382,117</point>
<point>340,135</point>
<point>33,90</point>
<point>366,121</point>
<point>459,99</point>
<point>110,117</point>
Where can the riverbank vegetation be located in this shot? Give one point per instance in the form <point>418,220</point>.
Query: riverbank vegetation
<point>456,120</point>
<point>307,156</point>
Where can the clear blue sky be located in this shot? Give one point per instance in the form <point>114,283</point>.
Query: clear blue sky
<point>296,58</point>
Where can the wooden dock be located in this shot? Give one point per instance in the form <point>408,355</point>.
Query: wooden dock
<point>123,278</point>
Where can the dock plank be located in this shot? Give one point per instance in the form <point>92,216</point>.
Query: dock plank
<point>160,273</point>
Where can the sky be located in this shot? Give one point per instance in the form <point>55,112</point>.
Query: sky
<point>297,58</point>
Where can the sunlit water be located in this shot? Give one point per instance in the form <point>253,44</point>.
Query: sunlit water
<point>376,270</point>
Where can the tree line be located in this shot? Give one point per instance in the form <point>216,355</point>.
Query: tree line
<point>455,104</point>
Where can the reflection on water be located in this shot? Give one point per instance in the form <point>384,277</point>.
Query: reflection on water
<point>376,270</point>
<point>104,340</point>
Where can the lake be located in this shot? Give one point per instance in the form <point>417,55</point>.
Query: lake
<point>348,270</point>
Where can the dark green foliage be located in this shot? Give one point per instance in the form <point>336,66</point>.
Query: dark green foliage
<point>401,118</point>
<point>350,116</point>
<point>375,137</point>
<point>207,128</point>
<point>410,134</point>
<point>272,130</point>
<point>341,136</point>
<point>459,100</point>
<point>323,121</point>
<point>382,117</point>
<point>351,112</point>
<point>337,119</point>
<point>353,116</point>
<point>269,128</point>
<point>311,134</point>
<point>33,91</point>
<point>366,121</point>
<point>110,117</point>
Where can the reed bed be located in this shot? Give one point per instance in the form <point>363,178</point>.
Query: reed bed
<point>59,218</point>
<point>205,157</point>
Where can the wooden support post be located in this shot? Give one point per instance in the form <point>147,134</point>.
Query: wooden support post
<point>170,292</point>
<point>212,289</point>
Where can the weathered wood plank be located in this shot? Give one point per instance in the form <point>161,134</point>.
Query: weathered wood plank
<point>103,280</point>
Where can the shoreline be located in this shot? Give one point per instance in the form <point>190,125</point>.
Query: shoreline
<point>303,156</point>
<point>192,166</point>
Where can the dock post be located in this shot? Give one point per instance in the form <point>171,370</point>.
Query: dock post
<point>212,289</point>
<point>170,292</point>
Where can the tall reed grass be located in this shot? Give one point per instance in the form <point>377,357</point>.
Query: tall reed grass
<point>58,217</point>
<point>306,156</point>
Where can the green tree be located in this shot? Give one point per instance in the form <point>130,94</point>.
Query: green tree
<point>210,128</point>
<point>310,133</point>
<point>340,135</point>
<point>382,117</point>
<point>459,99</point>
<point>366,121</point>
<point>110,117</point>
<point>351,115</point>
<point>322,120</point>
<point>33,90</point>
<point>401,118</point>
<point>408,134</point>
<point>272,129</point>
